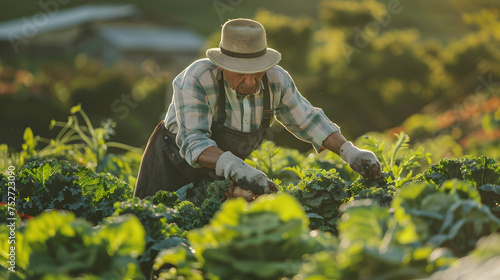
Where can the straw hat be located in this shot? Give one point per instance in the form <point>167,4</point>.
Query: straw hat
<point>243,48</point>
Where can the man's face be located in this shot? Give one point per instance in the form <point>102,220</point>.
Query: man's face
<point>244,83</point>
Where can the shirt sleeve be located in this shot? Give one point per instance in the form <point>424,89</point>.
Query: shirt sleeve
<point>298,116</point>
<point>194,118</point>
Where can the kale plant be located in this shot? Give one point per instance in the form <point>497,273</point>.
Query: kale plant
<point>320,193</point>
<point>157,220</point>
<point>56,184</point>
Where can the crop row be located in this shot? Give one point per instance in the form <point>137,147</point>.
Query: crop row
<point>319,227</point>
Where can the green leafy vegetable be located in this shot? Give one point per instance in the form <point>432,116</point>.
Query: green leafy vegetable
<point>58,244</point>
<point>157,220</point>
<point>320,193</point>
<point>264,239</point>
<point>178,263</point>
<point>482,172</point>
<point>380,190</point>
<point>450,215</point>
<point>372,245</point>
<point>169,199</point>
<point>476,170</point>
<point>60,185</point>
<point>399,160</point>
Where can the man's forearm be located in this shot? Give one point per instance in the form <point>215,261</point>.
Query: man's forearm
<point>334,141</point>
<point>209,157</point>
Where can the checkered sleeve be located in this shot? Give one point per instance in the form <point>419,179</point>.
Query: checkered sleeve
<point>298,116</point>
<point>194,117</point>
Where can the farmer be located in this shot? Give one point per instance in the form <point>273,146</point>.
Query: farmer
<point>221,110</point>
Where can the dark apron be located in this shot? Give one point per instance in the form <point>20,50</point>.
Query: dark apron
<point>163,168</point>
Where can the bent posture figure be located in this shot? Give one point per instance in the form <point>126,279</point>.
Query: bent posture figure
<point>221,110</point>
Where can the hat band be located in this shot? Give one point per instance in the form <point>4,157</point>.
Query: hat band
<point>243,55</point>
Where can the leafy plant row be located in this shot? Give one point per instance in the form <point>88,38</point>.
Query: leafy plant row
<point>264,240</point>
<point>446,209</point>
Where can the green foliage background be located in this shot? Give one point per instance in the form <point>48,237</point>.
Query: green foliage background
<point>369,64</point>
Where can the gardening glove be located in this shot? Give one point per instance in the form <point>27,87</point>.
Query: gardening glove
<point>362,161</point>
<point>232,167</point>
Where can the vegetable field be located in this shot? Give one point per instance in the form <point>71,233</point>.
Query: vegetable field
<point>416,82</point>
<point>70,219</point>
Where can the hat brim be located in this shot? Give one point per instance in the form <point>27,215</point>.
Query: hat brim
<point>244,65</point>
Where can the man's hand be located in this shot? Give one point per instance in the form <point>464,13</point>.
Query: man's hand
<point>232,167</point>
<point>362,161</point>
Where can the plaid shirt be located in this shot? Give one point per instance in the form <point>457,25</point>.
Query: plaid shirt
<point>194,107</point>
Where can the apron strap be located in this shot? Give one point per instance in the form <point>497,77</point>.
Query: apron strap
<point>268,112</point>
<point>221,114</point>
